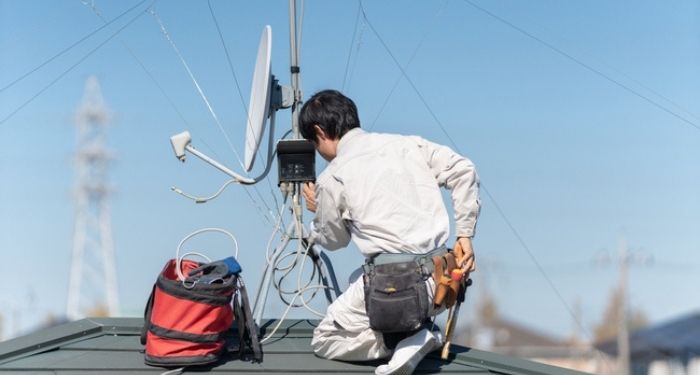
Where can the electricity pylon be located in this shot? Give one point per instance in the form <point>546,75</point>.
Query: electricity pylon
<point>93,285</point>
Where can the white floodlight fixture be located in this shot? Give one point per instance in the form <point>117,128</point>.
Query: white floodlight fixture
<point>183,142</point>
<point>180,142</point>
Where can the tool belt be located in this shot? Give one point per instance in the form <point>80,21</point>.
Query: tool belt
<point>396,299</point>
<point>394,288</point>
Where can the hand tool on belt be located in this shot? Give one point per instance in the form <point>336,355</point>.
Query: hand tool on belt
<point>450,288</point>
<point>454,313</point>
<point>446,289</point>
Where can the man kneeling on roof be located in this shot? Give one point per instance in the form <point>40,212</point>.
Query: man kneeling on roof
<point>383,191</point>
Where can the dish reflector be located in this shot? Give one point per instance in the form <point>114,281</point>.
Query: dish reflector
<point>260,91</point>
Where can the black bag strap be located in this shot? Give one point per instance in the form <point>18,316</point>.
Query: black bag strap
<point>251,327</point>
<point>238,313</point>
<point>147,316</point>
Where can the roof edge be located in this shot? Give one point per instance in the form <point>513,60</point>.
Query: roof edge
<point>506,364</point>
<point>55,337</point>
<point>50,338</point>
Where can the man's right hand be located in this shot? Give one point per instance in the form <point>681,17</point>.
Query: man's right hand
<point>309,192</point>
<point>463,249</point>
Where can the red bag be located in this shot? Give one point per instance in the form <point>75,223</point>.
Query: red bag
<point>186,322</point>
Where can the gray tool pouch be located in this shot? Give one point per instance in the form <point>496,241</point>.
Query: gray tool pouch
<point>396,297</point>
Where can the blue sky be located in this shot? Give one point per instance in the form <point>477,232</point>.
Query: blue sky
<point>582,119</point>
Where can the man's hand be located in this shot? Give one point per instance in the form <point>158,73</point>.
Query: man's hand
<point>309,192</point>
<point>467,263</point>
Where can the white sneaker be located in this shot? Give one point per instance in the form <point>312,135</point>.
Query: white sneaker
<point>409,352</point>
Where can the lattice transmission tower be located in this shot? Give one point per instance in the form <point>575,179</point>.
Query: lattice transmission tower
<point>93,284</point>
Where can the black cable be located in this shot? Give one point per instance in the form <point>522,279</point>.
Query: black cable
<point>408,79</point>
<point>245,107</point>
<point>228,59</point>
<point>352,43</point>
<point>175,108</point>
<point>80,61</point>
<point>583,64</point>
<point>498,208</point>
<point>50,59</point>
<point>533,258</point>
<point>191,75</point>
<point>410,60</point>
<point>148,73</point>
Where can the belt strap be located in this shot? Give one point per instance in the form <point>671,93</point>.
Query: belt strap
<point>424,260</point>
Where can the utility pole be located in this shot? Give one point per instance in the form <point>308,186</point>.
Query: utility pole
<point>624,259</point>
<point>93,283</point>
<point>623,340</point>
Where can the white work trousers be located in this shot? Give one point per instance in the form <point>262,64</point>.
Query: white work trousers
<point>344,333</point>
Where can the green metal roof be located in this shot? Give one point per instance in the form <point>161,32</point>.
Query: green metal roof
<point>111,346</point>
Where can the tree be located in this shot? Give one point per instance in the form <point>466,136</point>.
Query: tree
<point>607,328</point>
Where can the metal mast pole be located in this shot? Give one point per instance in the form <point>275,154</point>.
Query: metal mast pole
<point>292,230</point>
<point>294,66</point>
<point>295,231</point>
<point>296,80</point>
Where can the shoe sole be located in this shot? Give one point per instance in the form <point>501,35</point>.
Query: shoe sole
<point>406,368</point>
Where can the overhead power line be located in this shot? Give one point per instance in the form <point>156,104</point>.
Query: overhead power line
<point>243,103</point>
<point>68,48</point>
<point>80,61</point>
<point>405,75</point>
<point>410,60</point>
<point>352,43</point>
<point>501,213</point>
<point>228,59</point>
<point>171,102</point>
<point>583,64</point>
<point>199,89</point>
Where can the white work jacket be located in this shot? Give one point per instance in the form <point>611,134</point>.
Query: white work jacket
<point>384,191</point>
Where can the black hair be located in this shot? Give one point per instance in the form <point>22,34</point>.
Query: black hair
<point>334,112</point>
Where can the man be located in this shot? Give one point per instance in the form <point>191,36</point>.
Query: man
<point>383,191</point>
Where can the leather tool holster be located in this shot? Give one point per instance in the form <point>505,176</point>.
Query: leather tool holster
<point>446,289</point>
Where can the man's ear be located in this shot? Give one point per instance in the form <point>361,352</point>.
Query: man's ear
<point>320,133</point>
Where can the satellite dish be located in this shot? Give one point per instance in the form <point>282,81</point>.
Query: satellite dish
<point>260,92</point>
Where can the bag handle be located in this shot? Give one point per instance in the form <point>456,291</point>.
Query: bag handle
<point>178,258</point>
